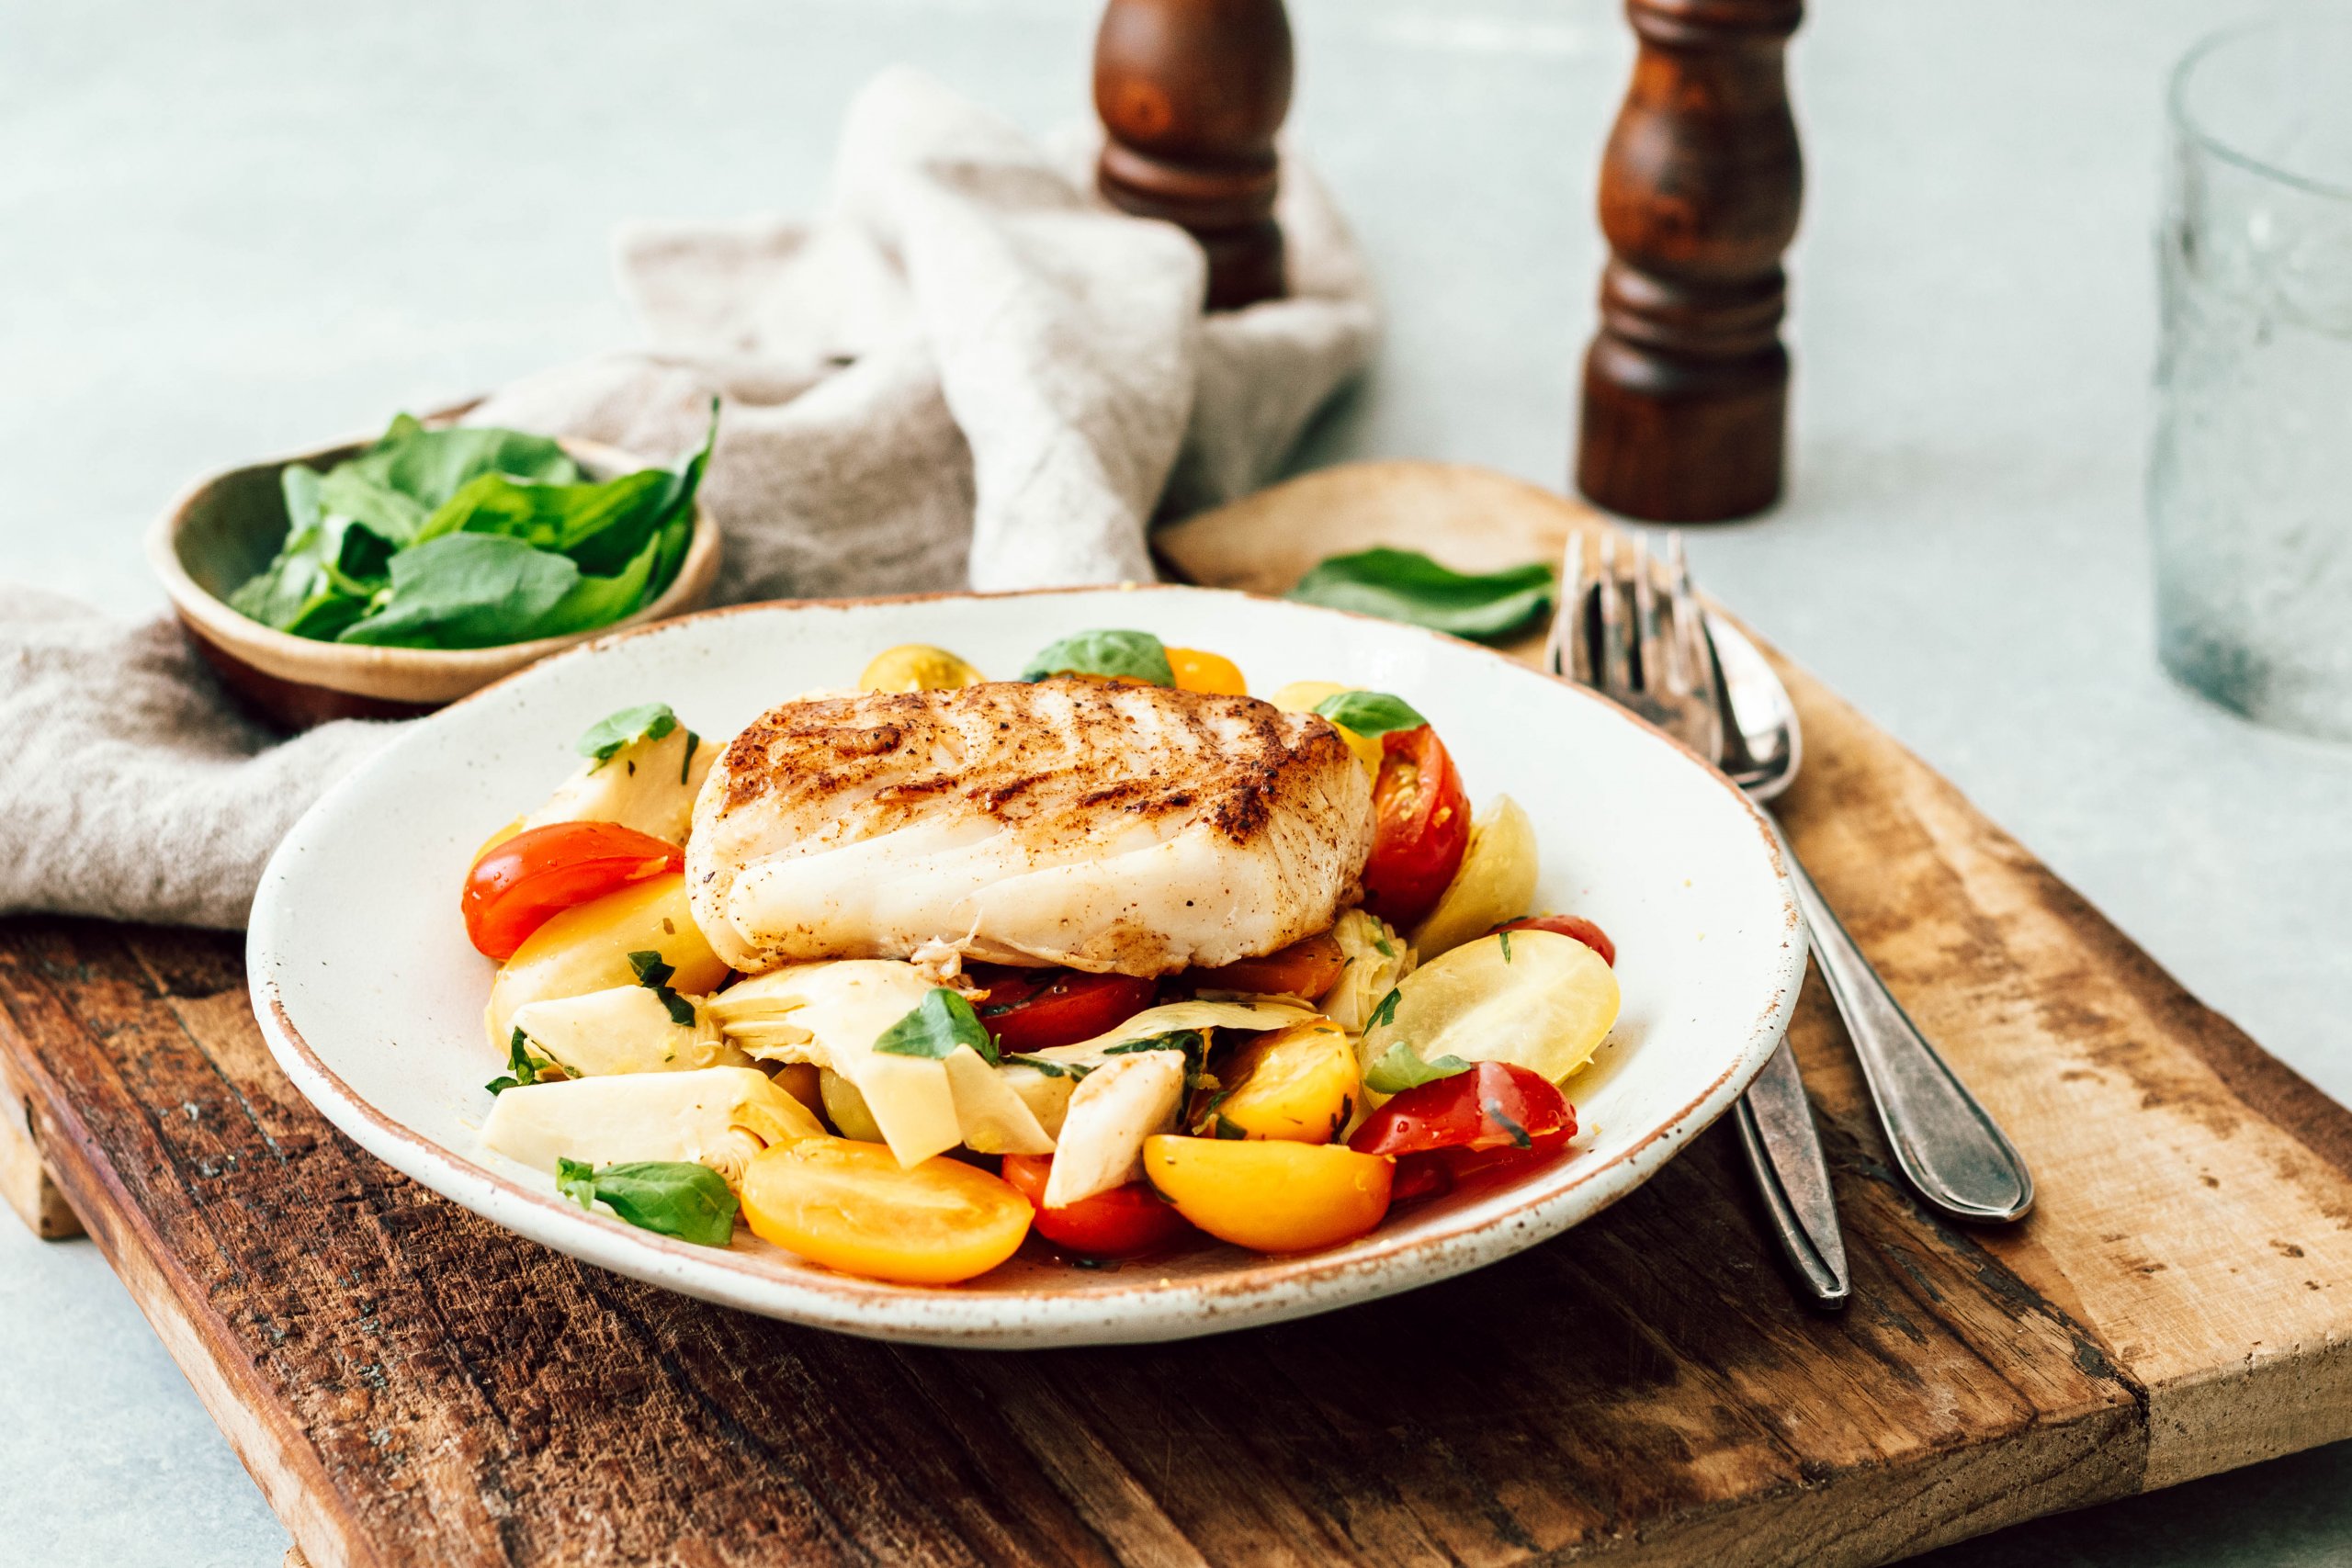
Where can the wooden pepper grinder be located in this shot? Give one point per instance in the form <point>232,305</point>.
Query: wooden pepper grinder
<point>1191,93</point>
<point>1686,385</point>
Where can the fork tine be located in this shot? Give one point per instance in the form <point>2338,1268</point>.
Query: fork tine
<point>1649,657</point>
<point>1616,674</point>
<point>1564,650</point>
<point>1693,651</point>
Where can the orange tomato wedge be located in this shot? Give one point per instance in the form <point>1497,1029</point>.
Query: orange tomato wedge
<point>1269,1195</point>
<point>850,1206</point>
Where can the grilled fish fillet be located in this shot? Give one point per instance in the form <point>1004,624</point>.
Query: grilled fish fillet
<point>1109,828</point>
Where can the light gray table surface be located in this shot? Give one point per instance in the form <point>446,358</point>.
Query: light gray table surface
<point>235,229</point>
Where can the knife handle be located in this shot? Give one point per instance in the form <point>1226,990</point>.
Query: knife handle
<point>1946,1144</point>
<point>1783,1148</point>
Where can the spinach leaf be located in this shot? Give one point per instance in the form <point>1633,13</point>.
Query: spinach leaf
<point>654,975</point>
<point>349,491</point>
<point>676,1198</point>
<point>428,466</point>
<point>1399,1069</point>
<point>1107,652</point>
<point>1370,713</point>
<point>466,591</point>
<point>1405,585</point>
<point>603,739</point>
<point>940,1023</point>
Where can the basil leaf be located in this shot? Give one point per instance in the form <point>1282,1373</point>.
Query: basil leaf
<point>1370,713</point>
<point>1506,941</point>
<point>1108,652</point>
<point>676,1198</point>
<point>1399,1069</point>
<point>1406,585</point>
<point>466,591</point>
<point>940,1023</point>
<point>1226,1127</point>
<point>654,975</point>
<point>1494,1109</point>
<point>522,1067</point>
<point>603,739</point>
<point>1383,1013</point>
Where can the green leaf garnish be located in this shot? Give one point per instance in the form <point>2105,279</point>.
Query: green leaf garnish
<point>1383,1013</point>
<point>654,975</point>
<point>646,721</point>
<point>1226,1127</point>
<point>1400,1068</point>
<point>1370,713</point>
<point>676,1198</point>
<point>1406,585</point>
<point>1047,1066</point>
<point>1506,941</point>
<point>939,1024</point>
<point>522,1067</point>
<point>1138,655</point>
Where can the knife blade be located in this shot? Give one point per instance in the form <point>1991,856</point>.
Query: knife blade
<point>1776,1129</point>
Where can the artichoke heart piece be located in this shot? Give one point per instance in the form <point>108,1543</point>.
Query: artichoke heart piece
<point>1112,1112</point>
<point>829,1014</point>
<point>1377,957</point>
<point>717,1116</point>
<point>649,784</point>
<point>626,1029</point>
<point>990,1115</point>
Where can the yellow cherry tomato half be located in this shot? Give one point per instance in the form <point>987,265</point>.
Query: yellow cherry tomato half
<point>586,948</point>
<point>850,1206</point>
<point>917,667</point>
<point>1299,1083</point>
<point>1198,671</point>
<point>1269,1195</point>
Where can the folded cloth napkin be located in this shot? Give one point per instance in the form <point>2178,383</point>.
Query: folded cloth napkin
<point>971,370</point>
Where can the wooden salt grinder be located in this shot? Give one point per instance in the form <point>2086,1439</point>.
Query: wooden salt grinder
<point>1191,93</point>
<point>1686,385</point>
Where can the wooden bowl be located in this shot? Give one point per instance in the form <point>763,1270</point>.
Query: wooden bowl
<point>228,526</point>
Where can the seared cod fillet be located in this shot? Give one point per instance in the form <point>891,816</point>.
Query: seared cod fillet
<point>1109,828</point>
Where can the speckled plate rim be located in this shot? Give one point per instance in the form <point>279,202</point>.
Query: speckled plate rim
<point>1254,1292</point>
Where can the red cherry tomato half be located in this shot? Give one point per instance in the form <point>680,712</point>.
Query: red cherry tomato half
<point>1306,969</point>
<point>1574,926</point>
<point>1437,1172</point>
<point>1117,1223</point>
<point>1029,1010</point>
<point>1420,830</point>
<point>1492,1105</point>
<point>520,881</point>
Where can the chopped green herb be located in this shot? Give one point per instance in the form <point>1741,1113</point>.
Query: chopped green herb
<point>522,1067</point>
<point>1047,1066</point>
<point>654,975</point>
<point>1370,713</point>
<point>1386,1012</point>
<point>1226,1127</point>
<point>1138,655</point>
<point>1340,1117</point>
<point>1405,585</point>
<point>939,1024</point>
<point>1387,948</point>
<point>1518,1134</point>
<point>686,763</point>
<point>646,721</point>
<point>1400,1068</point>
<point>1506,941</point>
<point>676,1198</point>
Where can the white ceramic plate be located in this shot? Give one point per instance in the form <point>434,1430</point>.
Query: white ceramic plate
<point>371,997</point>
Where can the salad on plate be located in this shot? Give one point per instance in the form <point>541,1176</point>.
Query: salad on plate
<point>1114,954</point>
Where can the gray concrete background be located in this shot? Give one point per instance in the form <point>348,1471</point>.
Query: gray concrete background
<point>238,228</point>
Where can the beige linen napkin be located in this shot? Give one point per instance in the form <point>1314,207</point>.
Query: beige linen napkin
<point>969,370</point>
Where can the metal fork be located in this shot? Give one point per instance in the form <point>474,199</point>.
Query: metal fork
<point>1610,633</point>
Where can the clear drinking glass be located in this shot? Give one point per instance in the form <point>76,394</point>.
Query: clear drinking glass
<point>2250,489</point>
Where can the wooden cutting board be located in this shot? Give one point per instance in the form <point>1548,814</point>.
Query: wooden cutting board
<point>411,1384</point>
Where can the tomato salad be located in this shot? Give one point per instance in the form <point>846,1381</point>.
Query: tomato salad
<point>1418,1044</point>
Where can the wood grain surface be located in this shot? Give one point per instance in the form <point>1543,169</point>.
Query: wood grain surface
<point>411,1384</point>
